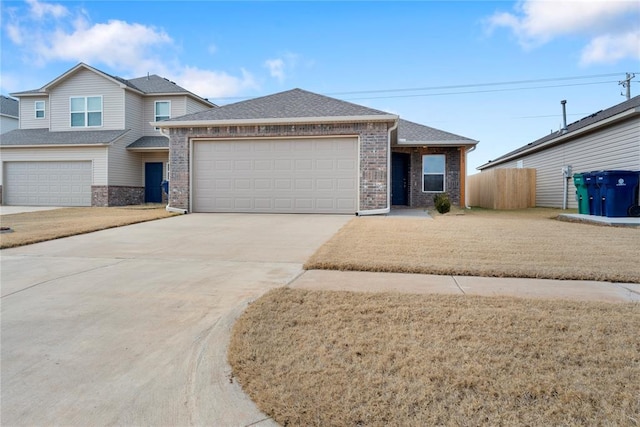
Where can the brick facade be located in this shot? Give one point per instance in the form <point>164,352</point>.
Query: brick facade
<point>113,195</point>
<point>373,154</point>
<point>418,198</point>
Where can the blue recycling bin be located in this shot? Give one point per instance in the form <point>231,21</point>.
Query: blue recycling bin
<point>165,186</point>
<point>619,192</point>
<point>593,192</point>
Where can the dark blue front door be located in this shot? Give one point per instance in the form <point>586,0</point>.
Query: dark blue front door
<point>400,178</point>
<point>153,182</point>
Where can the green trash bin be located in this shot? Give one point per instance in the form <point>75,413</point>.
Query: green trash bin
<point>582,195</point>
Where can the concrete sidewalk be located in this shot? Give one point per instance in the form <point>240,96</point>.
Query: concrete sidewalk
<point>576,290</point>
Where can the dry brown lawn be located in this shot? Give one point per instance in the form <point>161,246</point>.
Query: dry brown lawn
<point>356,359</point>
<point>33,227</point>
<point>529,243</point>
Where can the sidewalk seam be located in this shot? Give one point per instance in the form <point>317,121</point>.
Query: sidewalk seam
<point>458,285</point>
<point>299,275</point>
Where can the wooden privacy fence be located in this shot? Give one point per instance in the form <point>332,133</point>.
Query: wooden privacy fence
<point>503,189</point>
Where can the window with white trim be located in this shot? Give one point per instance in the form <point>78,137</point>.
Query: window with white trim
<point>162,111</point>
<point>39,106</point>
<point>433,173</point>
<point>86,111</point>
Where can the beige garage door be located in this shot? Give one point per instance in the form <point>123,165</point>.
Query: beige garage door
<point>276,176</point>
<point>47,183</point>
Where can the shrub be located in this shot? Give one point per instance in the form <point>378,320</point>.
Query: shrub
<point>441,200</point>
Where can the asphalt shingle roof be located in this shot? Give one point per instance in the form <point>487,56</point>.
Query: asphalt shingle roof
<point>583,122</point>
<point>155,84</point>
<point>150,142</point>
<point>410,132</point>
<point>149,85</point>
<point>43,137</point>
<point>9,106</point>
<point>295,103</point>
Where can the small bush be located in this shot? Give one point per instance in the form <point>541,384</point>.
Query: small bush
<point>443,205</point>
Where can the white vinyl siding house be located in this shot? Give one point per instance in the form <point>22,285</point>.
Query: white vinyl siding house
<point>123,164</point>
<point>611,143</point>
<point>85,83</point>
<point>28,119</point>
<point>177,107</point>
<point>192,106</point>
<point>134,118</point>
<point>94,119</point>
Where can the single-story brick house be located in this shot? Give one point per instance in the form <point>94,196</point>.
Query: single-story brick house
<point>300,152</point>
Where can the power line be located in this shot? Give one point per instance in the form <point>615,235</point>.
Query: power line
<point>480,91</point>
<point>505,83</point>
<point>463,86</point>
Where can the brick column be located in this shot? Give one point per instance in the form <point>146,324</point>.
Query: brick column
<point>179,169</point>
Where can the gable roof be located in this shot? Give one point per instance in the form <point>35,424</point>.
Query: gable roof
<point>410,133</point>
<point>42,137</point>
<point>9,107</point>
<point>598,119</point>
<point>149,85</point>
<point>292,106</point>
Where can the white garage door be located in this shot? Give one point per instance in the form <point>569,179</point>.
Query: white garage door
<point>47,183</point>
<point>278,176</point>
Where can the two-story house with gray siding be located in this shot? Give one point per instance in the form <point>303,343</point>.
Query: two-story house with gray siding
<point>85,139</point>
<point>605,140</point>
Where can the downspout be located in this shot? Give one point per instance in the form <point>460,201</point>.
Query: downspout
<point>388,208</point>
<point>466,189</point>
<point>168,208</point>
<point>566,170</point>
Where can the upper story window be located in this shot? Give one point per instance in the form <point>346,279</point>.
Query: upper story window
<point>162,111</point>
<point>39,105</point>
<point>86,111</point>
<point>433,173</point>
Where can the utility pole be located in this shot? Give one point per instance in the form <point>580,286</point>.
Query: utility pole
<point>626,83</point>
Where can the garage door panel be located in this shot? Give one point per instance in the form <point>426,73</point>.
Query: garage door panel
<point>285,176</point>
<point>48,183</point>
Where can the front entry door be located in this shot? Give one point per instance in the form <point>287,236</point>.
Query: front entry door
<point>153,182</point>
<point>400,178</point>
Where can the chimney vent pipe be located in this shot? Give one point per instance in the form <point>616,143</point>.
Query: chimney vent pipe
<point>564,115</point>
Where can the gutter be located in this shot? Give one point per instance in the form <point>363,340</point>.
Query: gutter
<point>564,137</point>
<point>386,210</point>
<point>175,210</point>
<point>274,121</point>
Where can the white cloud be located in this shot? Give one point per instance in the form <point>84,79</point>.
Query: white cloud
<point>129,49</point>
<point>276,68</point>
<point>283,67</point>
<point>213,84</point>
<point>118,44</point>
<point>41,10</point>
<point>536,22</point>
<point>611,48</point>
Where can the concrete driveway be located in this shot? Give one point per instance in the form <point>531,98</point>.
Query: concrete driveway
<point>129,326</point>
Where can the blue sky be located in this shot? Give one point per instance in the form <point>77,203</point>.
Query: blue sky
<point>428,61</point>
